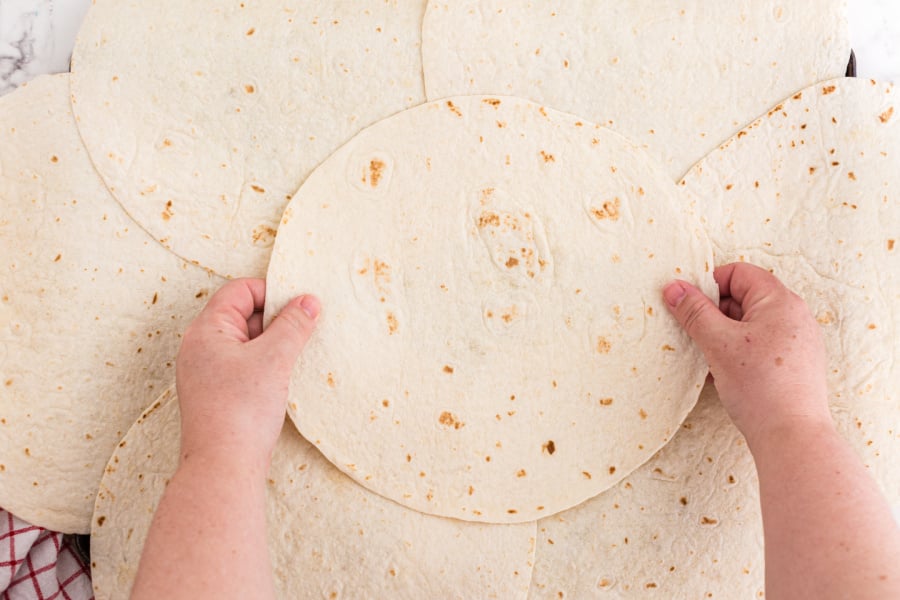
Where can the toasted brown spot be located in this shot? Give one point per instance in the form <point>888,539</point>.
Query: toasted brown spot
<point>605,401</point>
<point>54,159</point>
<point>827,89</point>
<point>612,470</point>
<point>249,88</point>
<point>547,157</point>
<point>521,473</point>
<point>376,170</point>
<point>586,474</point>
<point>101,520</point>
<point>329,380</point>
<point>609,211</point>
<point>890,244</point>
<point>603,345</point>
<point>683,500</point>
<point>549,447</point>
<point>851,176</point>
<point>448,419</point>
<point>492,101</point>
<point>812,170</point>
<point>650,585</point>
<point>385,403</point>
<point>708,521</point>
<point>257,189</point>
<point>512,511</point>
<point>454,109</point>
<point>489,218</point>
<point>251,31</point>
<point>643,413</point>
<point>264,234</point>
<point>512,262</point>
<point>886,115</point>
<point>393,324</point>
<point>448,369</point>
<point>668,348</point>
<point>58,257</point>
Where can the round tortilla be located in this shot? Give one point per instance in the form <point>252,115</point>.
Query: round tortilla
<point>811,190</point>
<point>91,313</point>
<point>686,524</point>
<point>493,344</point>
<point>328,537</point>
<point>676,76</point>
<point>203,117</point>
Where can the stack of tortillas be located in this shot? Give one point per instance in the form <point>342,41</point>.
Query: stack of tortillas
<point>495,402</point>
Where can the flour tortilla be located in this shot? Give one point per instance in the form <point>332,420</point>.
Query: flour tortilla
<point>811,190</point>
<point>686,524</point>
<point>203,117</point>
<point>91,314</point>
<point>677,76</point>
<point>493,344</point>
<point>328,537</point>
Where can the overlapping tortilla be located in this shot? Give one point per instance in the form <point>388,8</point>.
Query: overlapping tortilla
<point>811,190</point>
<point>91,313</point>
<point>328,537</point>
<point>203,117</point>
<point>493,345</point>
<point>686,524</point>
<point>678,76</point>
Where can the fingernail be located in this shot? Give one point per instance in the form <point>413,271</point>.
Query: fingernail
<point>311,306</point>
<point>674,293</point>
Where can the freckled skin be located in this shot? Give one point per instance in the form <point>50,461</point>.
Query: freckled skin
<point>768,361</point>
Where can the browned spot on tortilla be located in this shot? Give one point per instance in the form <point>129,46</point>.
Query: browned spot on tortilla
<point>603,345</point>
<point>495,102</point>
<point>606,401</point>
<point>585,474</point>
<point>512,262</point>
<point>729,186</point>
<point>521,473</point>
<point>890,244</point>
<point>249,88</point>
<point>812,170</point>
<point>708,521</point>
<point>827,89</point>
<point>683,500</point>
<point>58,257</point>
<point>851,176</point>
<point>512,511</point>
<point>448,419</point>
<point>329,379</point>
<point>668,348</point>
<point>393,324</point>
<point>549,447</point>
<point>54,159</point>
<point>797,96</point>
<point>886,115</point>
<point>643,413</point>
<point>612,470</point>
<point>101,520</point>
<point>385,403</point>
<point>871,326</point>
<point>454,109</point>
<point>448,369</point>
<point>264,234</point>
<point>489,218</point>
<point>257,189</point>
<point>547,157</point>
<point>376,170</point>
<point>251,31</point>
<point>609,211</point>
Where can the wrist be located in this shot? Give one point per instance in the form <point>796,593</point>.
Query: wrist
<point>227,462</point>
<point>787,433</point>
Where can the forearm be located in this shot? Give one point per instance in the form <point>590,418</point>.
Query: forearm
<point>829,532</point>
<point>208,537</point>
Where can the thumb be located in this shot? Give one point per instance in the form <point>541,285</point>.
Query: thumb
<point>698,316</point>
<point>288,332</point>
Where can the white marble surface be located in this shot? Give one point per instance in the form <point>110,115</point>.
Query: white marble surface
<point>36,37</point>
<point>875,38</point>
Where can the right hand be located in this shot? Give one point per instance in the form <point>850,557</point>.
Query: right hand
<point>764,349</point>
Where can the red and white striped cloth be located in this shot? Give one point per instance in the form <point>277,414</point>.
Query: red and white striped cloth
<point>38,564</point>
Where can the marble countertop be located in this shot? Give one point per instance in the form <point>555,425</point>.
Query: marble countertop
<point>36,36</point>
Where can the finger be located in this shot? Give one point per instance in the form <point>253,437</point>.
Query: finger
<point>696,313</point>
<point>288,332</point>
<point>731,308</point>
<point>229,309</point>
<point>255,324</point>
<point>746,284</point>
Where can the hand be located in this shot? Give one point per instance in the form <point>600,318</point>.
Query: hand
<point>232,378</point>
<point>764,349</point>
